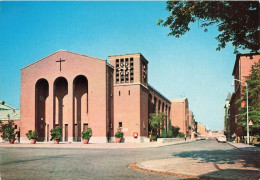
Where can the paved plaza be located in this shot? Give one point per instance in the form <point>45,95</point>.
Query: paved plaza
<point>121,163</point>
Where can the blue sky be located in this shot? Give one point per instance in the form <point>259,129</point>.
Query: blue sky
<point>185,67</point>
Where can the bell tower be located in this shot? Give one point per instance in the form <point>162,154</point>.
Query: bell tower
<point>130,95</point>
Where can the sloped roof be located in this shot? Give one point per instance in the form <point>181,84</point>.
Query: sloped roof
<point>8,112</point>
<point>5,106</point>
<point>63,51</point>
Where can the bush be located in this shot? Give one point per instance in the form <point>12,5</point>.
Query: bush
<point>119,134</point>
<point>56,133</point>
<point>164,134</point>
<point>32,134</point>
<point>8,130</point>
<point>170,132</point>
<point>87,133</point>
<point>181,135</point>
<point>175,131</point>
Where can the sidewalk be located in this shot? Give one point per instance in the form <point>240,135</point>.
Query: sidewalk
<point>200,169</point>
<point>79,145</point>
<point>195,168</point>
<point>244,147</point>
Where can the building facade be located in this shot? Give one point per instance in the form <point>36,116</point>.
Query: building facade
<point>192,132</point>
<point>242,68</point>
<point>75,91</point>
<point>180,114</point>
<point>8,113</point>
<point>202,130</point>
<point>226,116</point>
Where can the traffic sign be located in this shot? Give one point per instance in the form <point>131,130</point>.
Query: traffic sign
<point>250,123</point>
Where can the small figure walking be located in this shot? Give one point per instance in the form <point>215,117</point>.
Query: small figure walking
<point>238,139</point>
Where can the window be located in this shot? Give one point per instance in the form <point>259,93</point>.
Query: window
<point>129,92</point>
<point>85,126</point>
<point>120,124</point>
<point>124,70</point>
<point>15,126</point>
<point>119,93</point>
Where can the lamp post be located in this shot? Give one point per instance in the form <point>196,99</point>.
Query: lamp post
<point>247,126</point>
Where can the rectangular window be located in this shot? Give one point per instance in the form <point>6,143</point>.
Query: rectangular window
<point>120,124</point>
<point>85,126</point>
<point>15,126</point>
<point>66,132</point>
<point>129,92</point>
<point>119,93</point>
<point>131,70</point>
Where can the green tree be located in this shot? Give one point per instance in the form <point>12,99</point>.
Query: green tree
<point>181,135</point>
<point>237,21</point>
<point>7,130</point>
<point>170,133</point>
<point>155,122</point>
<point>195,123</point>
<point>164,134</point>
<point>253,83</point>
<point>175,131</point>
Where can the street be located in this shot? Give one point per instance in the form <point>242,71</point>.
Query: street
<point>59,163</point>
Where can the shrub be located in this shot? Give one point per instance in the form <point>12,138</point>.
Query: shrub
<point>32,134</point>
<point>119,134</point>
<point>56,133</point>
<point>87,133</point>
<point>170,132</point>
<point>8,130</point>
<point>181,135</point>
<point>164,134</point>
<point>175,131</point>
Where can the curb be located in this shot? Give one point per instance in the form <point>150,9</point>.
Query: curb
<point>70,146</point>
<point>242,149</point>
<point>134,166</point>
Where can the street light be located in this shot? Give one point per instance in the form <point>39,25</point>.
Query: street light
<point>247,127</point>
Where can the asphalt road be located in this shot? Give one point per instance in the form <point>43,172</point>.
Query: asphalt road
<point>43,163</point>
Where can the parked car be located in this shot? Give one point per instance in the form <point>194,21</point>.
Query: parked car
<point>200,138</point>
<point>222,138</point>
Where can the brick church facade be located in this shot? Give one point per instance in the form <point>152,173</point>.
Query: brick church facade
<point>75,91</point>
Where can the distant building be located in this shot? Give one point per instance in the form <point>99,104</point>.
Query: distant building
<point>214,134</point>
<point>191,125</point>
<point>226,115</point>
<point>242,69</point>
<point>9,113</point>
<point>202,130</point>
<point>180,114</point>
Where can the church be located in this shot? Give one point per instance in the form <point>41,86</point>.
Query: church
<point>75,92</point>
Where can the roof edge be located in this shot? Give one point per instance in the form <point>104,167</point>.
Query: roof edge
<point>149,86</point>
<point>57,52</point>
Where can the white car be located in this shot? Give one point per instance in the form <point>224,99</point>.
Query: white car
<point>222,138</point>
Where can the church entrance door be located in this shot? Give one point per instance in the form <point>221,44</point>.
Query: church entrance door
<point>60,91</point>
<point>41,94</point>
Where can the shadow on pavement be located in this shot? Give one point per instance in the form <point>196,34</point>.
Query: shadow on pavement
<point>232,174</point>
<point>36,159</point>
<point>249,159</point>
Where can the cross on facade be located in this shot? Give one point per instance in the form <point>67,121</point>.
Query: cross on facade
<point>60,61</point>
